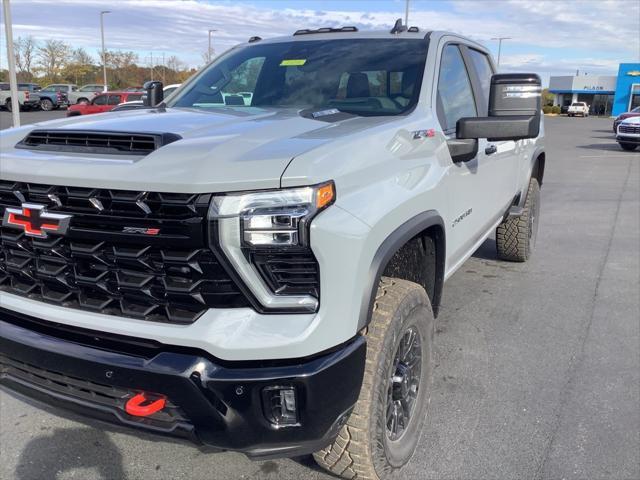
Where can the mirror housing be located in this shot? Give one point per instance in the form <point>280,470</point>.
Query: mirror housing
<point>514,110</point>
<point>154,95</point>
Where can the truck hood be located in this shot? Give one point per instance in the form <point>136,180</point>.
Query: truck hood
<point>224,150</point>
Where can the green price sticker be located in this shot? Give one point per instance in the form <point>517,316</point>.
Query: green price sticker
<point>293,63</point>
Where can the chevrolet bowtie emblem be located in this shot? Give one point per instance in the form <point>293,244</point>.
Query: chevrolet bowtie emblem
<point>35,221</point>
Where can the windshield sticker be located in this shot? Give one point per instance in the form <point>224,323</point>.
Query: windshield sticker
<point>293,63</point>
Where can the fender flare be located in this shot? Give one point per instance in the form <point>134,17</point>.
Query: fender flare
<point>517,208</point>
<point>537,152</point>
<point>388,248</point>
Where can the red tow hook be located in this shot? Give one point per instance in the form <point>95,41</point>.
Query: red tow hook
<point>141,406</point>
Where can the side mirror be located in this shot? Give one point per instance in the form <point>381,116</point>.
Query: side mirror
<point>514,110</point>
<point>154,93</point>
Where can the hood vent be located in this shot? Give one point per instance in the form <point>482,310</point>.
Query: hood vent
<point>100,142</point>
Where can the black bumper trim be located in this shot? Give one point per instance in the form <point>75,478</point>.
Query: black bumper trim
<point>221,405</point>
<point>634,139</point>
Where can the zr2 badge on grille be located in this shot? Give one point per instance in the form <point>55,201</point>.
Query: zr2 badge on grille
<point>34,220</point>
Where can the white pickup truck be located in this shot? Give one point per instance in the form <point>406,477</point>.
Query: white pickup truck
<point>265,278</point>
<point>25,98</point>
<point>578,108</point>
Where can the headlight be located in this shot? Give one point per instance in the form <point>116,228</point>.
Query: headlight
<point>265,236</point>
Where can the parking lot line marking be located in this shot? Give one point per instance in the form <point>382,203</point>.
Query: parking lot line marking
<point>616,155</point>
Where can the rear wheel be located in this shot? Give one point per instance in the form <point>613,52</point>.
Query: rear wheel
<point>46,104</point>
<point>381,434</point>
<point>83,101</point>
<point>8,106</point>
<point>516,236</point>
<point>627,146</point>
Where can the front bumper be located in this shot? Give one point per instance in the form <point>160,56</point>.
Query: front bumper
<point>633,139</point>
<point>219,404</point>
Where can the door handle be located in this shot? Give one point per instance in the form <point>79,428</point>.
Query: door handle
<point>491,149</point>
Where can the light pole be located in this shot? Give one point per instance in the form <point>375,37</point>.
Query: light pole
<point>104,55</point>
<point>11,60</point>
<point>209,51</point>
<point>406,13</point>
<point>500,39</point>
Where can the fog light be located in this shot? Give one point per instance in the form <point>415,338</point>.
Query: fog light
<point>280,405</point>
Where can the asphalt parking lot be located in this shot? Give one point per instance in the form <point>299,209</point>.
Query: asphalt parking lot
<point>537,365</point>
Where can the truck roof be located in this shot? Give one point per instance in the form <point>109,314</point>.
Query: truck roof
<point>337,34</point>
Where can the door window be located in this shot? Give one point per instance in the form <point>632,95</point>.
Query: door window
<point>484,70</point>
<point>114,99</point>
<point>455,95</point>
<point>100,100</point>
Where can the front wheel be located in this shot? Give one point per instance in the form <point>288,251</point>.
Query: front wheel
<point>382,433</point>
<point>516,236</point>
<point>627,146</point>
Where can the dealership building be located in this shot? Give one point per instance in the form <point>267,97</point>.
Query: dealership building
<point>605,94</point>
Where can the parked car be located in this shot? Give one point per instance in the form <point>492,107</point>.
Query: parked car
<point>135,104</point>
<point>27,99</point>
<point>633,113</point>
<point>564,109</point>
<point>85,93</point>
<point>32,87</point>
<point>578,108</point>
<point>62,87</point>
<point>50,99</point>
<point>266,278</point>
<point>101,103</point>
<point>628,133</point>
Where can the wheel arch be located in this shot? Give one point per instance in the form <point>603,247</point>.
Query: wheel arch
<point>420,238</point>
<point>539,157</point>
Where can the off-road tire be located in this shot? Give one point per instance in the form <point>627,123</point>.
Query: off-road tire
<point>516,236</point>
<point>627,146</point>
<point>363,450</point>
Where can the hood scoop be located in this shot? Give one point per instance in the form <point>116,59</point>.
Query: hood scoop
<point>98,142</point>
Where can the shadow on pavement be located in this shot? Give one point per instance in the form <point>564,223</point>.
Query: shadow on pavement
<point>67,449</point>
<point>607,147</point>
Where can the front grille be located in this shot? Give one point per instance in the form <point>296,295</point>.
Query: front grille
<point>171,276</point>
<point>289,273</point>
<point>83,390</point>
<point>629,129</point>
<point>95,142</point>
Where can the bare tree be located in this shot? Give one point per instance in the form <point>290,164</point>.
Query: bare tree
<point>52,56</point>
<point>25,52</point>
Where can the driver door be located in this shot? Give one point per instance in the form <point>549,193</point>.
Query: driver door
<point>470,180</point>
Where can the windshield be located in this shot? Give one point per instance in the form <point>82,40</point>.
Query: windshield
<point>577,104</point>
<point>363,76</point>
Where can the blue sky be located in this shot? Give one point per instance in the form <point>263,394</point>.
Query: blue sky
<point>554,37</point>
